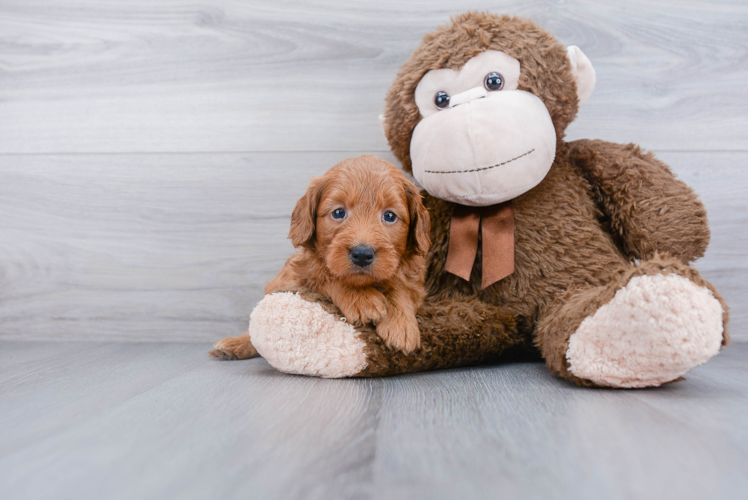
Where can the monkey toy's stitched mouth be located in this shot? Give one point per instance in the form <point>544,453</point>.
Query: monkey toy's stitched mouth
<point>477,169</point>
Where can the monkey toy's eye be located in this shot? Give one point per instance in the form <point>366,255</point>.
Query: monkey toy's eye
<point>494,81</point>
<point>441,99</point>
<point>389,217</point>
<point>338,214</point>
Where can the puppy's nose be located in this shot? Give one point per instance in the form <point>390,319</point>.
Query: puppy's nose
<point>362,255</point>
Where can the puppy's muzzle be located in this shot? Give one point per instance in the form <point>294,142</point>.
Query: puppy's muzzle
<point>362,255</point>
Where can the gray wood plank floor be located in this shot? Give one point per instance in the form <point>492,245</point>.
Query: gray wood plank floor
<point>163,420</point>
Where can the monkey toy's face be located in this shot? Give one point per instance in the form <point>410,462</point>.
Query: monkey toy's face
<point>481,140</point>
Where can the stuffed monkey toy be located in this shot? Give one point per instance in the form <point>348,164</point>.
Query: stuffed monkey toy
<point>577,252</point>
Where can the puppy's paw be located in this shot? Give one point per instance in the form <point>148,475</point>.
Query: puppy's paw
<point>373,308</point>
<point>369,308</point>
<point>232,348</point>
<point>400,331</point>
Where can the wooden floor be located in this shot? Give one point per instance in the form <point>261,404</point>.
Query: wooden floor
<point>164,421</point>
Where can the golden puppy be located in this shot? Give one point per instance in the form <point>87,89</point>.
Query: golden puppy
<point>362,233</point>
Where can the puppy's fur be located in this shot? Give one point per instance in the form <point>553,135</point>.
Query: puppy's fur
<point>389,291</point>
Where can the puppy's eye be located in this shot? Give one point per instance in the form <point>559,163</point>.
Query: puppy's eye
<point>493,81</point>
<point>389,217</point>
<point>338,214</point>
<point>441,99</point>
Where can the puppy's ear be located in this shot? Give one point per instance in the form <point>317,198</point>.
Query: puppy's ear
<point>419,239</point>
<point>304,216</point>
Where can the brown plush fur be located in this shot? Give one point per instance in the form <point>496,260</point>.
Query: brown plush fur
<point>604,214</point>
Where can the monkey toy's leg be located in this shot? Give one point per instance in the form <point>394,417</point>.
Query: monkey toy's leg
<point>649,326</point>
<point>303,333</point>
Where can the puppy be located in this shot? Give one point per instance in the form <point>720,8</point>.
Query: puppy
<point>362,232</point>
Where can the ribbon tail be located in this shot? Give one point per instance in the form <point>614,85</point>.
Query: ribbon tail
<point>497,231</point>
<point>463,241</point>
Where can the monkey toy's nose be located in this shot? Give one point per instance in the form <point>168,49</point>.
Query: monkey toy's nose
<point>362,255</point>
<point>467,96</point>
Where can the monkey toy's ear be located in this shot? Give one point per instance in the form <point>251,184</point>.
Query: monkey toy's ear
<point>304,216</point>
<point>584,73</point>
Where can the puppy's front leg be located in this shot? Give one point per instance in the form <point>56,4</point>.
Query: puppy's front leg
<point>362,305</point>
<point>399,328</point>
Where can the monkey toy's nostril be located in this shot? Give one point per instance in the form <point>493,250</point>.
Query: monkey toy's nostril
<point>362,255</point>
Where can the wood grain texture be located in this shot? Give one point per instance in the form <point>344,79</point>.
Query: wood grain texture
<point>154,421</point>
<point>175,76</point>
<point>159,247</point>
<point>151,152</point>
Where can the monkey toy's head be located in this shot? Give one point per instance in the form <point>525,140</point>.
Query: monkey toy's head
<point>477,111</point>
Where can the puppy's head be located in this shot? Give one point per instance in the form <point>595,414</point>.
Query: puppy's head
<point>363,217</point>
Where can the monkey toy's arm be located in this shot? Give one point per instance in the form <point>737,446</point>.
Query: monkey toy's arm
<point>649,210</point>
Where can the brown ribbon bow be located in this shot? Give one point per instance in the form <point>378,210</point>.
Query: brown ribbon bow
<point>495,223</point>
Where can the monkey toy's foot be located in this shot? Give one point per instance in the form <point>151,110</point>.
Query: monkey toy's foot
<point>297,336</point>
<point>653,331</point>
